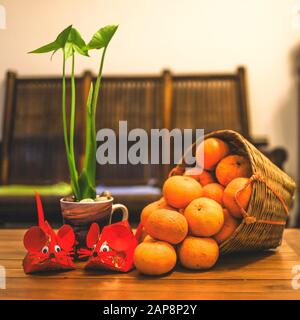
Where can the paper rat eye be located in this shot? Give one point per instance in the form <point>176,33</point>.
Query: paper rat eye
<point>57,248</point>
<point>104,248</point>
<point>45,250</point>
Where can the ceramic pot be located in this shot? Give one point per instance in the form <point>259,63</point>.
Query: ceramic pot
<point>80,216</point>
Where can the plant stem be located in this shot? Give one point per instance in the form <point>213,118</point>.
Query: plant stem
<point>74,172</point>
<point>64,105</point>
<point>73,106</point>
<point>94,107</point>
<point>97,85</point>
<point>70,157</point>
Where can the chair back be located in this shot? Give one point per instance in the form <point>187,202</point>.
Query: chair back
<point>137,100</point>
<point>33,149</point>
<point>210,101</point>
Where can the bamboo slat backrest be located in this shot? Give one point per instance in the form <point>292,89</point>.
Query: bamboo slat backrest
<point>33,146</point>
<point>206,101</point>
<point>210,101</point>
<point>137,100</point>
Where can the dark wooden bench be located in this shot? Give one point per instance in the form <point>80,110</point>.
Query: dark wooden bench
<point>32,144</point>
<point>32,150</point>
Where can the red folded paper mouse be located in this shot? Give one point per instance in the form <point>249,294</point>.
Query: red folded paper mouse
<point>113,249</point>
<point>46,249</point>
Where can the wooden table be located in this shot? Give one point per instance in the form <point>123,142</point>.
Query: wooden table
<point>265,275</point>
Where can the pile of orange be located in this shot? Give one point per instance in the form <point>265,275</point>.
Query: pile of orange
<point>198,211</point>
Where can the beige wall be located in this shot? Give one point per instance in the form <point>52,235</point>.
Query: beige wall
<point>184,35</point>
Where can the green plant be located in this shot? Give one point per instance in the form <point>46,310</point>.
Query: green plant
<point>71,42</point>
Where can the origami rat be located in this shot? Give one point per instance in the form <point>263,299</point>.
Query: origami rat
<point>112,249</point>
<point>48,250</point>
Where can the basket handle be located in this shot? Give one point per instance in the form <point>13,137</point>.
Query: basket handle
<point>251,219</point>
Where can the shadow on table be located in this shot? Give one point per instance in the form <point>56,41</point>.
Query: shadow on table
<point>235,261</point>
<point>231,261</point>
<point>243,259</point>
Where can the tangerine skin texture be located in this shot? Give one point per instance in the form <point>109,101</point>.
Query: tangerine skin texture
<point>205,217</point>
<point>214,191</point>
<point>198,253</point>
<point>230,225</point>
<point>214,150</point>
<point>206,178</point>
<point>179,191</point>
<point>243,197</point>
<point>159,204</point>
<point>154,257</point>
<point>232,167</point>
<point>167,225</point>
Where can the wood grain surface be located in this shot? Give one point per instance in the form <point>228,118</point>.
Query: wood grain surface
<point>263,275</point>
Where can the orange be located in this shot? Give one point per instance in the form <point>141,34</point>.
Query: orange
<point>231,167</point>
<point>203,178</point>
<point>204,216</point>
<point>231,194</point>
<point>148,238</point>
<point>159,204</point>
<point>206,178</point>
<point>213,191</point>
<point>167,225</point>
<point>230,224</point>
<point>179,191</point>
<point>198,253</point>
<point>214,150</point>
<point>154,257</point>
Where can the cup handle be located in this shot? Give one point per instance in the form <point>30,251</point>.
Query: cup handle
<point>123,209</point>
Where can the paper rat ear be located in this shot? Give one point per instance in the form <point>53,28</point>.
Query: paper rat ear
<point>93,235</point>
<point>35,239</point>
<point>119,237</point>
<point>66,237</point>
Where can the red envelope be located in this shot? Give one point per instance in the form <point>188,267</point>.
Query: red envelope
<point>48,250</point>
<point>113,249</point>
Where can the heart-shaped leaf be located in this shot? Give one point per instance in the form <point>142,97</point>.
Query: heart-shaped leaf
<point>102,37</point>
<point>53,46</point>
<point>59,42</point>
<point>69,40</point>
<point>63,37</point>
<point>77,42</point>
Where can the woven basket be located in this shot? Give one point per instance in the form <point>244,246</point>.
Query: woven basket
<point>272,194</point>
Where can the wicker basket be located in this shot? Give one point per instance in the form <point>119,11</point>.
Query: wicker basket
<point>272,194</point>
